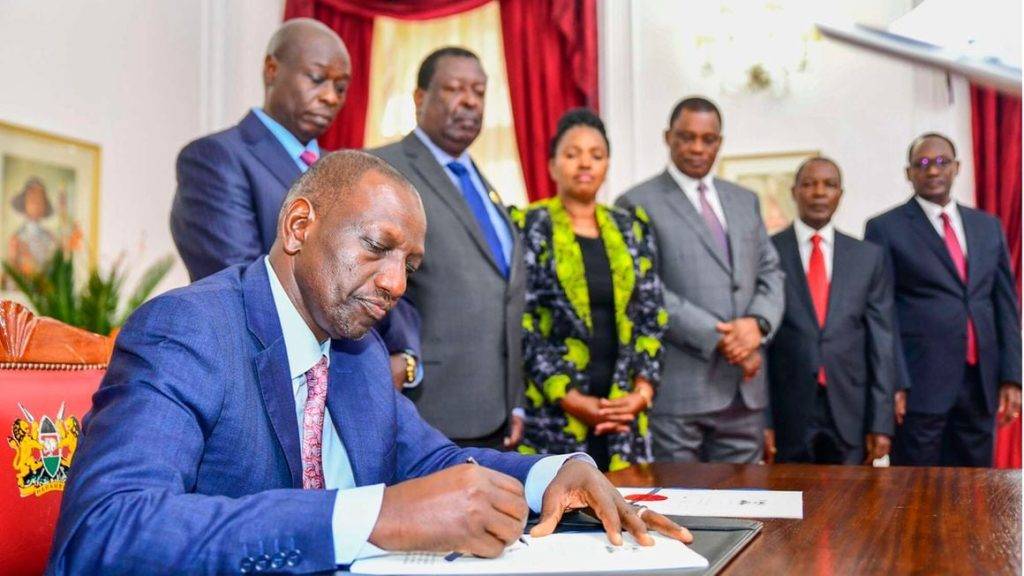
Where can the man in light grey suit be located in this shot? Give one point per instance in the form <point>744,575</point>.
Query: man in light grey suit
<point>470,290</point>
<point>724,294</point>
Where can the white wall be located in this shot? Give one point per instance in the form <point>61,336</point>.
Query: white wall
<point>140,79</point>
<point>861,109</point>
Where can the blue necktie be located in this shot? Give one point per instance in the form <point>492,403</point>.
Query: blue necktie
<point>476,204</point>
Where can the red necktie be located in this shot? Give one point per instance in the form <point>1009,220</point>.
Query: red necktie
<point>308,157</point>
<point>817,282</point>
<point>957,254</point>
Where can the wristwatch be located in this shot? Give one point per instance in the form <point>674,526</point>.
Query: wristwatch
<point>764,326</point>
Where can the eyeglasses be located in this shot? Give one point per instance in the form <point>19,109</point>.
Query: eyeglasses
<point>941,162</point>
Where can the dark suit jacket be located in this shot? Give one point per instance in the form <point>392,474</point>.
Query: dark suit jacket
<point>472,315</point>
<point>855,346</point>
<point>933,304</point>
<point>190,460</point>
<point>231,186</point>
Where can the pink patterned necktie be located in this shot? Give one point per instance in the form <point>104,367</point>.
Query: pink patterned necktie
<point>313,426</point>
<point>957,254</point>
<point>712,221</point>
<point>308,157</point>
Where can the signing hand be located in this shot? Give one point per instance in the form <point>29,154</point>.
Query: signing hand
<point>900,406</point>
<point>579,485</point>
<point>1009,403</point>
<point>472,510</point>
<point>876,446</point>
<point>515,432</point>
<point>739,338</point>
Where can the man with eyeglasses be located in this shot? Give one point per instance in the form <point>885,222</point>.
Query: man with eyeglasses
<point>723,292</point>
<point>957,315</point>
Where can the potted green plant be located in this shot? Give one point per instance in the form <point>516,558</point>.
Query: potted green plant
<point>97,305</point>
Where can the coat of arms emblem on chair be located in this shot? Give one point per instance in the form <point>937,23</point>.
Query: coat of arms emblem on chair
<point>43,450</point>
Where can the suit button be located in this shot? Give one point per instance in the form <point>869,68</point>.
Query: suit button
<point>294,557</point>
<point>263,563</point>
<point>735,287</point>
<point>279,560</point>
<point>246,565</point>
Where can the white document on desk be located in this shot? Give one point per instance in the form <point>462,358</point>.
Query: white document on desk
<point>561,553</point>
<point>725,503</point>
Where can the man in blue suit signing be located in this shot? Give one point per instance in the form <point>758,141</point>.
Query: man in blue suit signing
<point>231,184</point>
<point>957,314</point>
<point>247,422</point>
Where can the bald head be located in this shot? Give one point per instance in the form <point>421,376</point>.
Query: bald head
<point>291,35</point>
<point>351,231</point>
<point>306,73</point>
<point>332,180</point>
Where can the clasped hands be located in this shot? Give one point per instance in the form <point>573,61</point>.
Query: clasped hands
<point>604,416</point>
<point>740,344</point>
<point>474,510</point>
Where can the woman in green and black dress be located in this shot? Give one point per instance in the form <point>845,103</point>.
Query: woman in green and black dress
<point>594,310</point>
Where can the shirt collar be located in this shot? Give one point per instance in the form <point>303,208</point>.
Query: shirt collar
<point>301,345</point>
<point>934,211</point>
<point>442,157</point>
<point>804,232</point>
<point>689,183</point>
<point>291,144</point>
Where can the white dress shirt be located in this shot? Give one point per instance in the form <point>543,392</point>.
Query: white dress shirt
<point>689,187</point>
<point>356,508</point>
<point>934,213</point>
<point>804,244</point>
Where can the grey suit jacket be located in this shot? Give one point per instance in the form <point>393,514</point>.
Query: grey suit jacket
<point>472,315</point>
<point>855,346</point>
<point>703,289</point>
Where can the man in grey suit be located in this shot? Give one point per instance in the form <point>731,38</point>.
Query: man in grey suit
<point>470,290</point>
<point>832,365</point>
<point>724,294</point>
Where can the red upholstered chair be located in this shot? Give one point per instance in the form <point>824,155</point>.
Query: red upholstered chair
<point>48,373</point>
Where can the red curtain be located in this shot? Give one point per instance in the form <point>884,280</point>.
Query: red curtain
<point>996,130</point>
<point>550,56</point>
<point>551,60</point>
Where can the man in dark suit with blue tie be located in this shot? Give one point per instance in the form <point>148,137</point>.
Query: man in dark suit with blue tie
<point>231,184</point>
<point>247,422</point>
<point>832,365</point>
<point>957,314</point>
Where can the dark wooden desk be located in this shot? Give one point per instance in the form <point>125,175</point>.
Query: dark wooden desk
<point>860,520</point>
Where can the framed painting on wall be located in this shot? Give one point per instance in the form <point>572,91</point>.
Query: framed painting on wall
<point>49,198</point>
<point>770,175</point>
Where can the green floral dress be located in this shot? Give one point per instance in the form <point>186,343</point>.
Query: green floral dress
<point>557,325</point>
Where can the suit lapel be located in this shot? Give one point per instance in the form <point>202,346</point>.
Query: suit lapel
<point>734,215</point>
<point>972,236</point>
<point>265,147</point>
<point>271,365</point>
<point>424,163</point>
<point>842,274</point>
<point>790,255</point>
<point>681,204</point>
<point>353,412</point>
<point>919,222</point>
